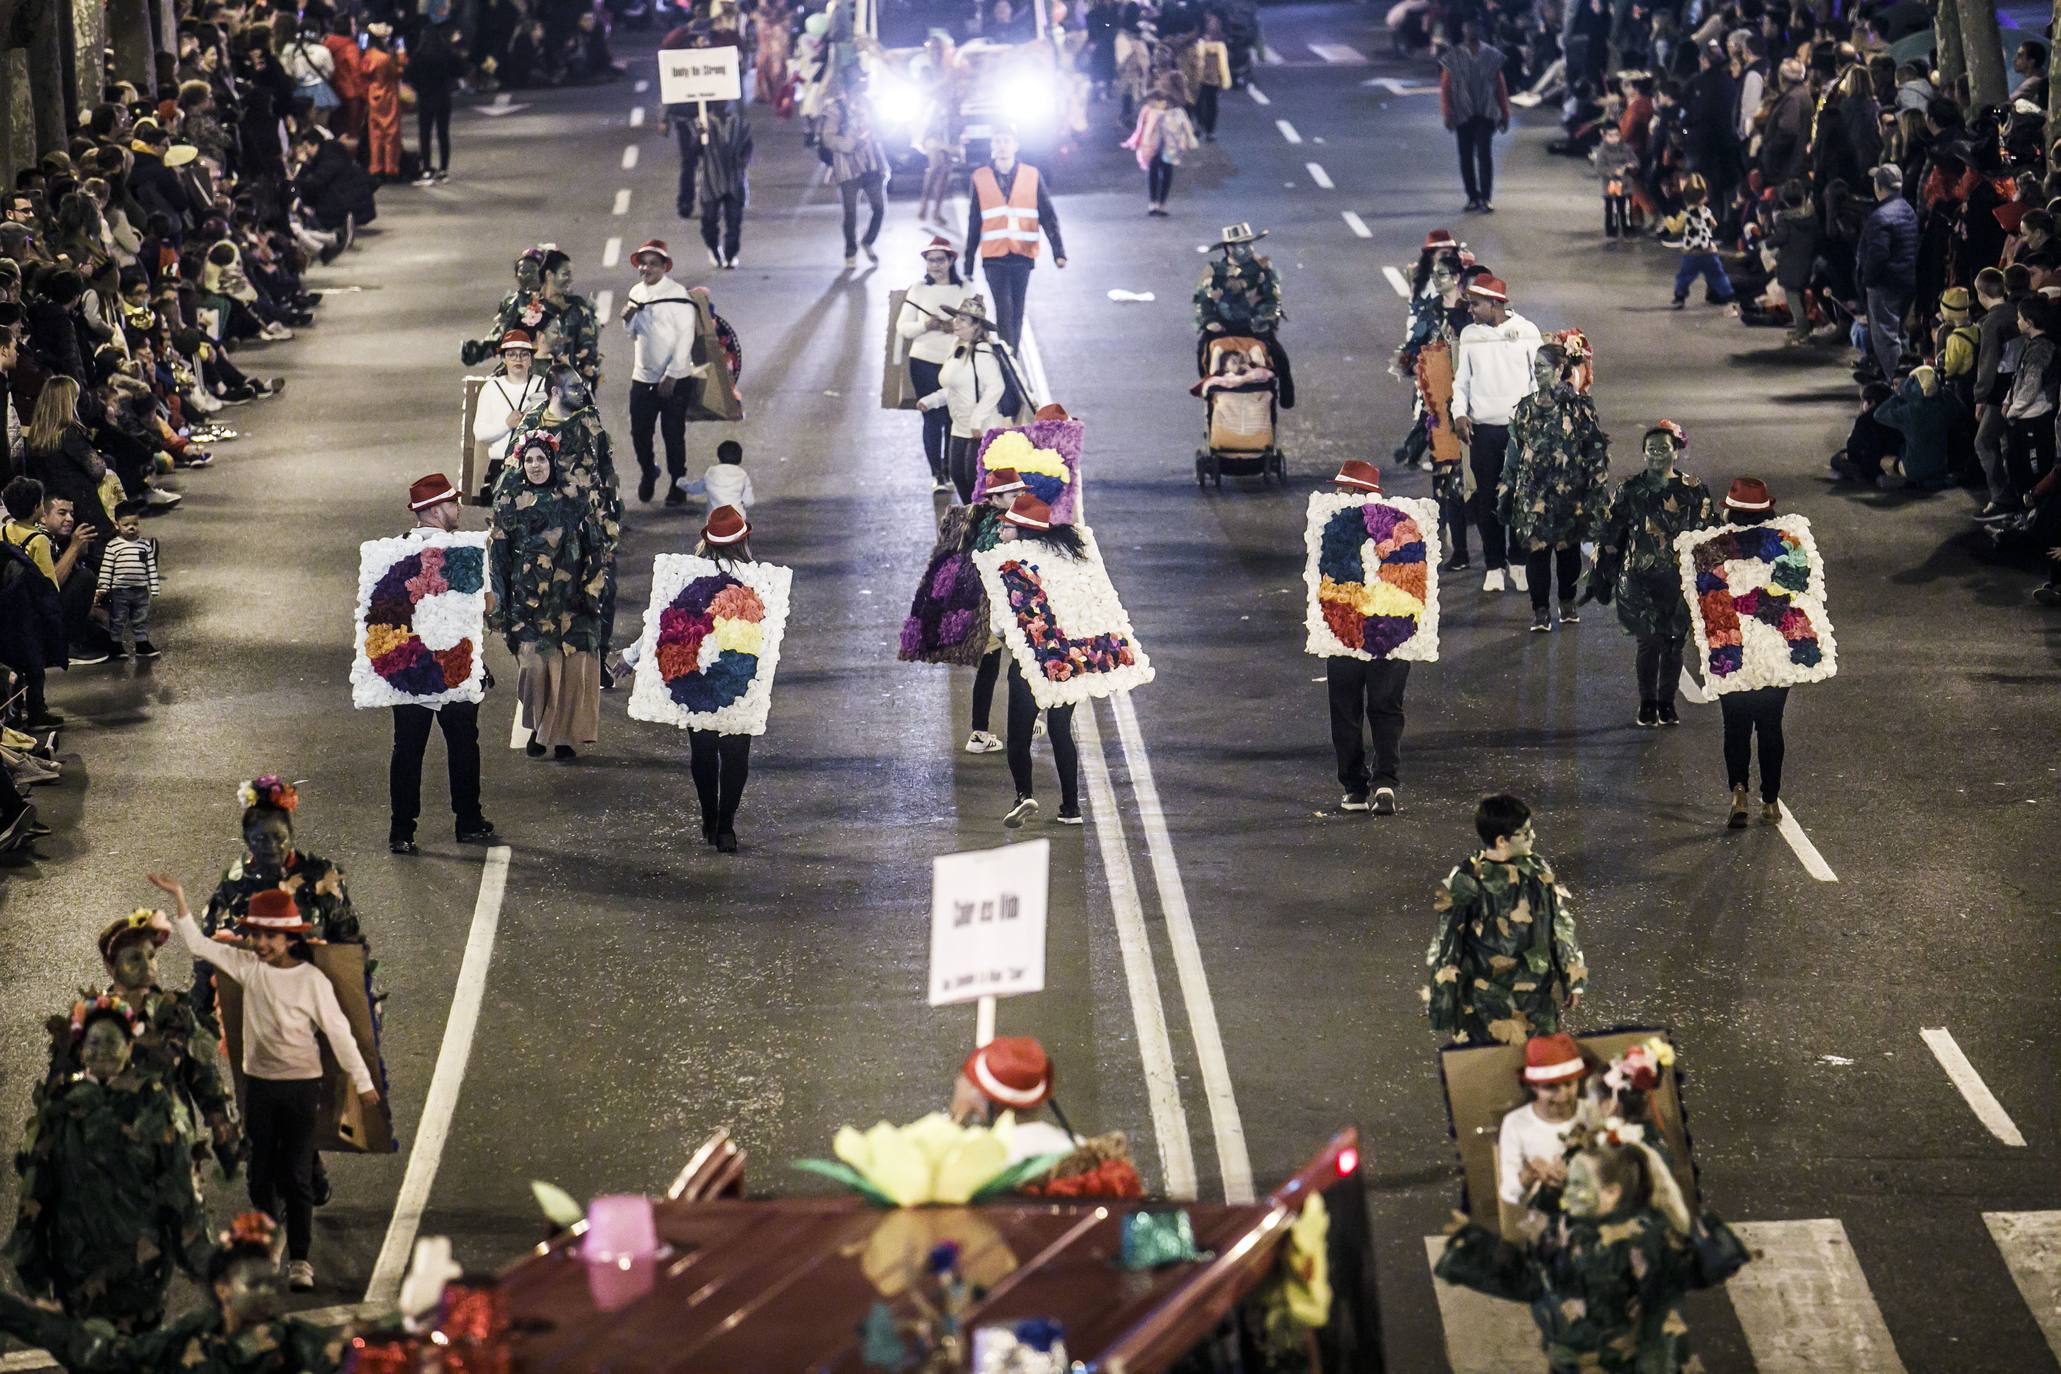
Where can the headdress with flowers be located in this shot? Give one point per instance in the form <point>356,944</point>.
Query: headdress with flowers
<point>269,789</point>
<point>254,1230</point>
<point>106,1004</point>
<point>1639,1067</point>
<point>147,922</point>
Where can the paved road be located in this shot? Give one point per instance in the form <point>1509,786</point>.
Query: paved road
<point>1218,906</point>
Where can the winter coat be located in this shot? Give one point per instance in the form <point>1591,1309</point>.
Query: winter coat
<point>547,567</point>
<point>1927,424</point>
<point>333,185</point>
<point>1556,472</point>
<point>1887,256</point>
<point>1615,162</point>
<point>1505,960</point>
<point>1785,137</point>
<point>194,1344</point>
<point>73,471</point>
<point>32,634</point>
<point>1998,329</point>
<point>1794,238</point>
<point>1163,131</point>
<point>1635,555</point>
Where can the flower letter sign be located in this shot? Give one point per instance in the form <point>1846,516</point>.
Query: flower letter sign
<point>1372,577</point>
<point>421,619</point>
<point>1061,620</point>
<point>1757,602</point>
<point>710,644</point>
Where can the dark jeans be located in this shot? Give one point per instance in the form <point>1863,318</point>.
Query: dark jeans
<point>937,421</point>
<point>724,213</point>
<point>1886,307</point>
<point>1452,522</point>
<point>963,454</point>
<point>433,116</point>
<point>1008,282</point>
<point>1023,716</point>
<point>1746,712</point>
<point>690,163</point>
<point>1159,180</point>
<point>1485,455</point>
<point>1660,667</point>
<point>720,764</point>
<point>1206,111</point>
<point>1706,265</point>
<point>279,1117</point>
<point>128,616</point>
<point>1617,216</point>
<point>984,687</point>
<point>2028,450</point>
<point>460,722</point>
<point>1477,139</point>
<point>872,187</point>
<point>1369,692</point>
<point>669,416</point>
<point>1540,562</point>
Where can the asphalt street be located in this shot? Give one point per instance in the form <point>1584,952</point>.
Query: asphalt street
<point>1233,963</point>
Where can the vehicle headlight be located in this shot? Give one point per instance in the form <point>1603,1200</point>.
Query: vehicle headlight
<point>896,105</point>
<point>1028,99</point>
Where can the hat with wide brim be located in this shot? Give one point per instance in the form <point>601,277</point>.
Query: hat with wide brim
<point>973,307</point>
<point>726,525</point>
<point>653,248</point>
<point>141,924</point>
<point>1239,233</point>
<point>179,154</point>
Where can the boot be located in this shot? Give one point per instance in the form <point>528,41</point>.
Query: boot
<point>1738,820</point>
<point>1771,813</point>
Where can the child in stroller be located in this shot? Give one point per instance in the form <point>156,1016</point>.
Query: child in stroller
<point>1239,392</point>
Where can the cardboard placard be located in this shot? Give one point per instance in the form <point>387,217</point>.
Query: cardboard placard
<point>686,75</point>
<point>1482,1087</point>
<point>472,454</point>
<point>895,391</point>
<point>715,393</point>
<point>344,1125</point>
<point>987,922</point>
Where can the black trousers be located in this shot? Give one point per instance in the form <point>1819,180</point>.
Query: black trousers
<point>1567,563</point>
<point>1369,693</point>
<point>963,454</point>
<point>1477,140</point>
<point>1617,216</point>
<point>984,687</point>
<point>2028,450</point>
<point>279,1117</point>
<point>1206,110</point>
<point>649,411</point>
<point>1008,283</point>
<point>412,724</point>
<point>1023,716</point>
<point>690,163</point>
<point>1485,455</point>
<point>722,225</point>
<point>1746,713</point>
<point>433,116</point>
<point>720,764</point>
<point>937,421</point>
<point>873,187</point>
<point>1660,667</point>
<point>1159,180</point>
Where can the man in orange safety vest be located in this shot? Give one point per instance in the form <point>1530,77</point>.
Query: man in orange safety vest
<point>1010,204</point>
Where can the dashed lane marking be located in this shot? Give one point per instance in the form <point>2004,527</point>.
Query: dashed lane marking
<point>1358,225</point>
<point>1484,1335</point>
<point>1288,131</point>
<point>1973,1090</point>
<point>630,158</point>
<point>636,116</point>
<point>2031,1246</point>
<point>604,302</point>
<point>1340,53</point>
<point>612,251</point>
<point>1270,57</point>
<point>1318,174</point>
<point>643,85</point>
<point>622,202</point>
<point>1813,862</point>
<point>1259,97</point>
<point>1396,280</point>
<point>1804,1303</point>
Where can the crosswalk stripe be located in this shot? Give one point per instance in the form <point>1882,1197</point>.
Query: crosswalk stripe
<point>1805,1304</point>
<point>1339,53</point>
<point>1484,1335</point>
<point>2031,1246</point>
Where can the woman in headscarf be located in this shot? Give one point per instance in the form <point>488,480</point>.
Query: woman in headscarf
<point>547,575</point>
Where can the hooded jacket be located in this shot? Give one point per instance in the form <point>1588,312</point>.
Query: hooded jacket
<point>1493,371</point>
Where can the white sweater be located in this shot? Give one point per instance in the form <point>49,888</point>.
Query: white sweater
<point>282,1010</point>
<point>970,385</point>
<point>1494,369</point>
<point>497,399</point>
<point>664,334</point>
<point>925,344</point>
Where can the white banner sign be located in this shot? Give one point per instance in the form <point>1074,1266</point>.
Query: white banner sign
<point>987,922</point>
<point>689,74</point>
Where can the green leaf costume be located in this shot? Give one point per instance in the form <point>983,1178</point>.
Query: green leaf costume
<point>174,1049</point>
<point>194,1344</point>
<point>1241,293</point>
<point>567,332</point>
<point>1635,554</point>
<point>1505,960</point>
<point>1556,471</point>
<point>548,565</point>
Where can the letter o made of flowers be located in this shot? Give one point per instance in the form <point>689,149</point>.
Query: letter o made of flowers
<point>709,639</point>
<point>1373,611</point>
<point>413,608</point>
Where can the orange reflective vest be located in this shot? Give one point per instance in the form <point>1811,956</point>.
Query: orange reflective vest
<point>1008,225</point>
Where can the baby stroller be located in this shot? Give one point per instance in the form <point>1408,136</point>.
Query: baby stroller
<point>1240,415</point>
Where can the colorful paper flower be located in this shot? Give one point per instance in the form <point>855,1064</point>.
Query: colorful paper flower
<point>710,644</point>
<point>932,1160</point>
<point>1373,591</point>
<point>421,614</point>
<point>1767,576</point>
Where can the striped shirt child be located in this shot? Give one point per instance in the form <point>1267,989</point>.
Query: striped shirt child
<point>129,563</point>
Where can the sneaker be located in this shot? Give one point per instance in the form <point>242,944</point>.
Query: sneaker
<point>647,484</point>
<point>1069,815</point>
<point>726,842</point>
<point>1384,801</point>
<point>675,497</point>
<point>402,847</point>
<point>1771,813</point>
<point>1518,580</point>
<point>1570,616</point>
<point>1541,622</point>
<point>268,386</point>
<point>275,331</point>
<point>2047,594</point>
<point>1681,302</point>
<point>239,395</point>
<point>300,1276</point>
<point>938,484</point>
<point>160,499</point>
<point>480,831</point>
<point>1473,204</point>
<point>1025,808</point>
<point>1649,714</point>
<point>1457,563</point>
<point>1667,714</point>
<point>1994,512</point>
<point>48,720</point>
<point>715,259</point>
<point>851,260</point>
<point>1493,582</point>
<point>145,649</point>
<point>88,657</point>
<point>730,263</point>
<point>1737,819</point>
<point>867,249</point>
<point>1487,208</point>
<point>1353,801</point>
<point>982,742</point>
<point>197,458</point>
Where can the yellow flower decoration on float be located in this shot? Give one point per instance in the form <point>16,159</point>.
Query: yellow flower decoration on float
<point>1012,450</point>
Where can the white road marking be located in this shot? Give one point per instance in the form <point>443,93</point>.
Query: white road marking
<point>1339,53</point>
<point>1232,1159</point>
<point>604,301</point>
<point>1813,862</point>
<point>1980,1099</point>
<point>630,158</point>
<point>1288,131</point>
<point>518,734</point>
<point>1397,280</point>
<point>501,100</point>
<point>612,251</point>
<point>434,1129</point>
<point>1484,1335</point>
<point>1692,689</point>
<point>1395,87</point>
<point>643,85</point>
<point>2031,1245</point>
<point>1270,57</point>
<point>1805,1304</point>
<point>622,202</point>
<point>1259,97</point>
<point>636,116</point>
<point>1318,174</point>
<point>1358,225</point>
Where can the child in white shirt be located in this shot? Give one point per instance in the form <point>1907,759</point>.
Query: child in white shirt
<point>726,483</point>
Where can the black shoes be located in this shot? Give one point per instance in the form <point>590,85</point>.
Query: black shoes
<point>479,832</point>
<point>1025,808</point>
<point>402,847</point>
<point>1384,801</point>
<point>1069,814</point>
<point>726,842</point>
<point>1457,563</point>
<point>145,649</point>
<point>1353,801</point>
<point>533,749</point>
<point>1649,714</point>
<point>675,497</point>
<point>1667,714</point>
<point>564,753</point>
<point>647,484</point>
<point>1541,622</point>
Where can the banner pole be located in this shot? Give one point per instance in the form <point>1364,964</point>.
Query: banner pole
<point>983,1021</point>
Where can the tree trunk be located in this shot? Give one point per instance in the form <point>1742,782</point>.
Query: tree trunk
<point>130,35</point>
<point>1982,45</point>
<point>2053,70</point>
<point>1946,37</point>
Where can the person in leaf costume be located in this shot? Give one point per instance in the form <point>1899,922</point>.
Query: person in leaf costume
<point>1637,568</point>
<point>108,1206</point>
<point>1504,965</point>
<point>586,464</point>
<point>567,331</point>
<point>529,275</point>
<point>1556,474</point>
<point>1605,1277</point>
<point>1240,294</point>
<point>240,1332</point>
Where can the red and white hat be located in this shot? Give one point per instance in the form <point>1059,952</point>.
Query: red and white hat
<point>1749,493</point>
<point>274,910</point>
<point>1029,512</point>
<point>1013,1071</point>
<point>1488,288</point>
<point>1003,482</point>
<point>726,525</point>
<point>1440,238</point>
<point>1553,1059</point>
<point>432,490</point>
<point>940,244</point>
<point>1358,472</point>
<point>657,246</point>
<point>517,338</point>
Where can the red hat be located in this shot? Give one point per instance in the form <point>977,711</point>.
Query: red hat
<point>1358,472</point>
<point>1440,238</point>
<point>1013,1071</point>
<point>1552,1059</point>
<point>274,909</point>
<point>726,525</point>
<point>1029,513</point>
<point>657,246</point>
<point>431,490</point>
<point>516,338</point>
<point>1488,288</point>
<point>1003,481</point>
<point>939,244</point>
<point>1051,410</point>
<point>1749,493</point>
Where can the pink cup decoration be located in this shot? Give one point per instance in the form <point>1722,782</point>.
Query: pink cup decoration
<point>620,1230</point>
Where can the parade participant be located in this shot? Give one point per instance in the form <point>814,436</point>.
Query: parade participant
<point>107,1206</point>
<point>1031,519</point>
<point>1365,694</point>
<point>1531,1145</point>
<point>1605,1278</point>
<point>663,337</point>
<point>586,465</point>
<point>547,566</point>
<point>240,1332</point>
<point>1504,965</point>
<point>1009,205</point>
<point>1434,298</point>
<point>1555,482</point>
<point>1162,137</point>
<point>930,335</point>
<point>1012,1074</point>
<point>1757,710</point>
<point>435,503</point>
<point>721,762</point>
<point>529,277</point>
<point>859,167</point>
<point>505,399</point>
<point>726,149</point>
<point>1492,372</point>
<point>1636,565</point>
<point>567,332</point>
<point>972,386</point>
<point>382,104</point>
<point>1240,294</point>
<point>1474,102</point>
<point>983,528</point>
<point>286,1001</point>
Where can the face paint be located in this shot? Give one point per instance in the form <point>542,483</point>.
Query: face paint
<point>104,1049</point>
<point>135,964</point>
<point>1443,279</point>
<point>250,1292</point>
<point>269,839</point>
<point>1660,454</point>
<point>1581,1197</point>
<point>1545,371</point>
